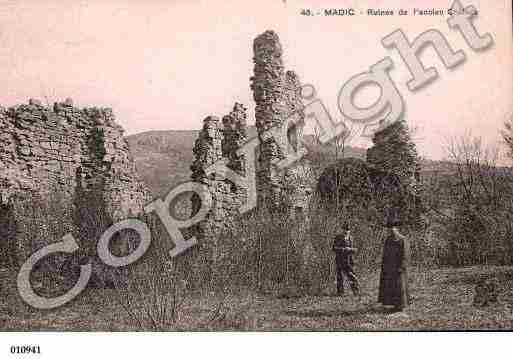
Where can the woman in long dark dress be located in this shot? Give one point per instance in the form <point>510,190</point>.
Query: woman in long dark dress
<point>393,285</point>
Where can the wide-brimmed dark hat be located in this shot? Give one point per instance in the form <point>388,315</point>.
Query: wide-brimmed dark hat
<point>393,223</point>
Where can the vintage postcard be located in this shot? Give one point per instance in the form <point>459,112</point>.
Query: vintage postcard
<point>274,165</point>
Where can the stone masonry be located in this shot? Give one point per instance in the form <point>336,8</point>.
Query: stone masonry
<point>218,141</point>
<point>270,111</point>
<point>234,137</point>
<point>279,110</point>
<point>278,105</point>
<point>62,154</point>
<point>298,180</point>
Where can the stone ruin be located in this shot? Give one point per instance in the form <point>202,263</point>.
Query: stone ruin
<point>277,94</point>
<point>279,106</point>
<point>286,190</point>
<point>77,157</point>
<point>217,141</point>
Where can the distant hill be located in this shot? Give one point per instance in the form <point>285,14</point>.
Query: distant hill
<point>163,158</point>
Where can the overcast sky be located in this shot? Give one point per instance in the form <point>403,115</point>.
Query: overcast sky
<point>168,64</point>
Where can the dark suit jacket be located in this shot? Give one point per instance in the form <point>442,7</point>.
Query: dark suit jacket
<point>343,253</point>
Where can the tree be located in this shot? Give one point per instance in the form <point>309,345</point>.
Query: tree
<point>481,202</point>
<point>395,153</point>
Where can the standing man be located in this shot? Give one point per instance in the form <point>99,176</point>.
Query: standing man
<point>393,285</point>
<point>343,248</point>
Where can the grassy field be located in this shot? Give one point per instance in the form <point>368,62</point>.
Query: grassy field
<point>442,300</point>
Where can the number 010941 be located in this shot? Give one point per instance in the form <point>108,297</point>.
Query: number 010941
<point>25,349</point>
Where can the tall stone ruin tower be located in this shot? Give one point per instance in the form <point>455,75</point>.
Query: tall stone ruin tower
<point>286,189</point>
<point>278,105</point>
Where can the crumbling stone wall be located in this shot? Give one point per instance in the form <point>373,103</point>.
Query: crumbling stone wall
<point>216,142</point>
<point>270,111</point>
<point>298,178</point>
<point>278,104</point>
<point>234,137</point>
<point>279,115</point>
<point>277,94</point>
<point>67,154</point>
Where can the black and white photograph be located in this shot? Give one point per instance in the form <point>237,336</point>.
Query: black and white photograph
<point>224,166</point>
